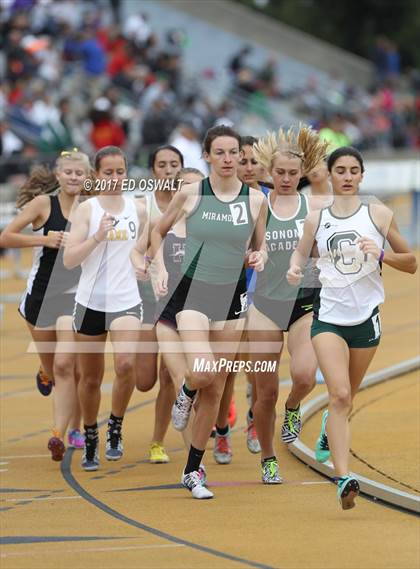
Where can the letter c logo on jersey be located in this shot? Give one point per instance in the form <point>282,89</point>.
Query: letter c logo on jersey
<point>345,253</point>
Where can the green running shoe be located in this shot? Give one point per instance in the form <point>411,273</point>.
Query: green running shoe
<point>322,450</point>
<point>348,489</point>
<point>270,472</point>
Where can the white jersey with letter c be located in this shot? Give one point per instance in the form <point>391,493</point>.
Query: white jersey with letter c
<point>351,282</point>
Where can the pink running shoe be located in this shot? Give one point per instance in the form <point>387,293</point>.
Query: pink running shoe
<point>76,439</point>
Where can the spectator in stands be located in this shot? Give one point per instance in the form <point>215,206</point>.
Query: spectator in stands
<point>137,29</point>
<point>393,62</point>
<point>186,139</point>
<point>92,54</point>
<point>19,62</point>
<point>246,82</point>
<point>379,58</point>
<point>57,133</point>
<point>106,131</point>
<point>9,142</point>
<point>111,38</point>
<point>159,89</point>
<point>43,109</point>
<point>236,64</point>
<point>121,60</point>
<point>334,132</point>
<point>158,123</point>
<point>71,44</point>
<point>267,78</point>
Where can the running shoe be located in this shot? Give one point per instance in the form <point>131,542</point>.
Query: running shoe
<point>114,447</point>
<point>292,425</point>
<point>233,415</point>
<point>348,489</point>
<point>222,451</point>
<point>252,441</point>
<point>90,458</point>
<point>157,454</point>
<point>57,448</point>
<point>75,439</point>
<point>322,449</point>
<point>203,473</point>
<point>181,410</point>
<point>270,472</point>
<point>193,481</point>
<point>43,383</point>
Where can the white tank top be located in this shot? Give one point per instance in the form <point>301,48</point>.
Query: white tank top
<point>351,282</point>
<point>154,213</point>
<point>108,281</point>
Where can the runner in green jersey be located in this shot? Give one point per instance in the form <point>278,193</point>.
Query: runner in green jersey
<point>278,307</point>
<point>224,219</point>
<point>250,172</point>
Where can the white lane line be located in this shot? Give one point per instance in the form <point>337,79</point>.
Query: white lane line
<point>3,470</point>
<point>25,456</point>
<point>314,483</point>
<point>85,550</point>
<point>3,463</point>
<point>40,499</point>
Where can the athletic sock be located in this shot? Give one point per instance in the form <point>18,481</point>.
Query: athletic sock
<point>292,408</point>
<point>269,459</point>
<point>115,422</point>
<point>222,431</point>
<point>189,392</point>
<point>194,459</point>
<point>91,431</point>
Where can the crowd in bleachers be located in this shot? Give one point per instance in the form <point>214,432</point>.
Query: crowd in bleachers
<point>72,73</point>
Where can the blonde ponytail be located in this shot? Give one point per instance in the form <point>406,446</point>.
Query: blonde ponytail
<point>304,144</point>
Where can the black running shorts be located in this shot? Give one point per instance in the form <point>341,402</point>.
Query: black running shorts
<point>94,322</point>
<point>219,302</point>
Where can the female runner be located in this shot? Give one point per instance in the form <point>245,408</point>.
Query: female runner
<point>107,299</point>
<point>223,217</point>
<point>165,163</point>
<point>47,304</point>
<point>350,238</point>
<point>278,307</point>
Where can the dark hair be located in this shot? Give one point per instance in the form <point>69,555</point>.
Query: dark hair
<point>152,157</point>
<point>215,132</point>
<point>108,151</point>
<point>344,151</point>
<point>303,182</point>
<point>248,141</point>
